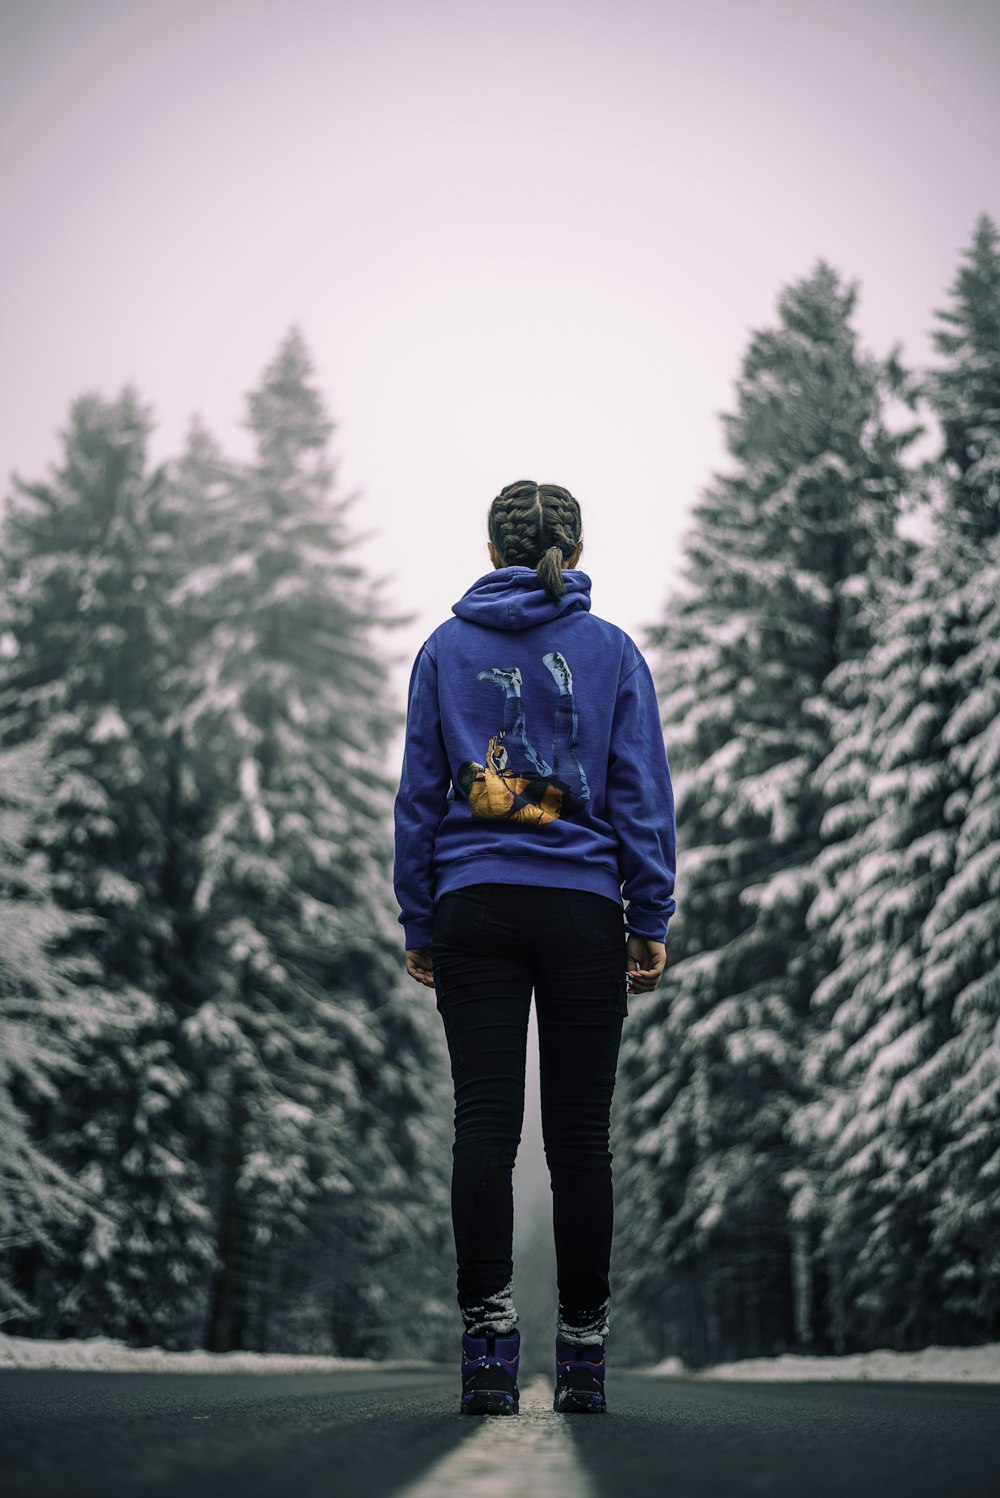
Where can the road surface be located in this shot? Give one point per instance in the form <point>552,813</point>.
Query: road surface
<point>372,1434</point>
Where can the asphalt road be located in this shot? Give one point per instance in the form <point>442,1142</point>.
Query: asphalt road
<point>380,1433</point>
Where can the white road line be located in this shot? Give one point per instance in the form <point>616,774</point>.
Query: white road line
<point>531,1452</point>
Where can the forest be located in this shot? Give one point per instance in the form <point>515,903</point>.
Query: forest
<point>215,1131</point>
<point>220,1112</point>
<point>809,1144</point>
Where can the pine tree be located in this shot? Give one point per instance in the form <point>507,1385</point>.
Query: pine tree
<point>780,560</point>
<point>962,972</point>
<point>314,1113</point>
<point>48,1005</point>
<point>85,567</point>
<point>965,391</point>
<point>904,1126</point>
<point>887,843</point>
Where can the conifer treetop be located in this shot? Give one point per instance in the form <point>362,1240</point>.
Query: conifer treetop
<point>286,412</point>
<point>966,391</point>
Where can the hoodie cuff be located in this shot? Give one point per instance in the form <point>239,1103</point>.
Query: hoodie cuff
<point>647,926</point>
<point>417,937</point>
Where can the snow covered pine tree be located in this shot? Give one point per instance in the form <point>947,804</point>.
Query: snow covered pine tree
<point>319,1142</point>
<point>49,1005</point>
<point>904,1126</point>
<point>777,560</point>
<point>84,574</point>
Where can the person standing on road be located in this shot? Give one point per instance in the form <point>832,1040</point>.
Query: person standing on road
<point>535,852</point>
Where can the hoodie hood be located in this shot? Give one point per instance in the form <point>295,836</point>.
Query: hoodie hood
<point>512,598</point>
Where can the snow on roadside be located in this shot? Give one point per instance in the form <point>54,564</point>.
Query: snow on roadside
<point>104,1355</point>
<point>980,1365</point>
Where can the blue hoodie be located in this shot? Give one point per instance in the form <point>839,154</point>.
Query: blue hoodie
<point>534,755</point>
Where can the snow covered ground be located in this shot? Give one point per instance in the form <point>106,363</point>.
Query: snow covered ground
<point>108,1356</point>
<point>978,1365</point>
<point>932,1364</point>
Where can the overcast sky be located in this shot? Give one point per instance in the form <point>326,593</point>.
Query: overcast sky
<point>521,240</point>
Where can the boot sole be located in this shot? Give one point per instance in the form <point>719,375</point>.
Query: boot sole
<point>578,1402</point>
<point>489,1402</point>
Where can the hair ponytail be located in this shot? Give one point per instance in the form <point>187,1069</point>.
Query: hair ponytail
<point>550,572</point>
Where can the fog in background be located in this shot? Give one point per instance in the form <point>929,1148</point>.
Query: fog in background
<point>520,241</point>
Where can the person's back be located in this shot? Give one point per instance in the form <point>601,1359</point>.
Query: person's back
<point>514,705</point>
<point>535,792</point>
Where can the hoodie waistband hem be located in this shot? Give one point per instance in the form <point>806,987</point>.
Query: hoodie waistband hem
<point>555,874</point>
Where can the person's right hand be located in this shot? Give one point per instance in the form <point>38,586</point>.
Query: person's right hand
<point>645,961</point>
<point>420,965</point>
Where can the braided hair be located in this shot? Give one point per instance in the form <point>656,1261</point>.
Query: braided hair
<point>536,525</point>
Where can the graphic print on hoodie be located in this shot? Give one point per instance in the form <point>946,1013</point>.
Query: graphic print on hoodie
<point>534,755</point>
<point>515,782</point>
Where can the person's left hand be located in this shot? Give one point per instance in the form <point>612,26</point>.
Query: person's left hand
<point>420,966</point>
<point>645,961</point>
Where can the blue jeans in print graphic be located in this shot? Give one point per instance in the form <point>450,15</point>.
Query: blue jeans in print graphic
<point>524,758</point>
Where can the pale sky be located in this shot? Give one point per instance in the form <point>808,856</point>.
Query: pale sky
<point>525,240</point>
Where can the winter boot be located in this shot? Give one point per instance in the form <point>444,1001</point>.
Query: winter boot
<point>489,1373</point>
<point>579,1378</point>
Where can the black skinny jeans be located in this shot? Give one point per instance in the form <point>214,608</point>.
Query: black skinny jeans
<point>493,945</point>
